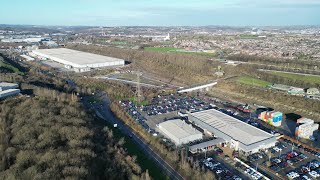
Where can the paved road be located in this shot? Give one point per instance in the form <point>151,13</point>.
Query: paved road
<point>103,111</point>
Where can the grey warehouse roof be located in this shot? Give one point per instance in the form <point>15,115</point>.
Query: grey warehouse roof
<point>179,129</point>
<point>232,127</point>
<point>76,57</point>
<point>5,84</point>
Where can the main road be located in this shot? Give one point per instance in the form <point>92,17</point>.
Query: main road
<point>103,111</point>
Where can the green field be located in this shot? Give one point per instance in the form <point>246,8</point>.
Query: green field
<point>306,78</point>
<point>177,50</point>
<point>143,103</point>
<point>248,36</point>
<point>162,49</point>
<point>119,42</point>
<point>252,81</point>
<point>10,67</point>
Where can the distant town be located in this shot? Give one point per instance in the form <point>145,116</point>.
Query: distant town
<point>207,102</point>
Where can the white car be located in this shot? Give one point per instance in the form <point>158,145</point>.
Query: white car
<point>276,149</point>
<point>293,175</point>
<point>314,174</point>
<point>306,177</point>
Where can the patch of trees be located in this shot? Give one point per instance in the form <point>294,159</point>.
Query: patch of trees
<point>273,78</point>
<point>288,81</point>
<point>288,63</point>
<point>286,69</point>
<point>186,68</point>
<point>13,63</point>
<point>43,138</point>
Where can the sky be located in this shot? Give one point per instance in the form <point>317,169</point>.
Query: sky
<point>160,12</point>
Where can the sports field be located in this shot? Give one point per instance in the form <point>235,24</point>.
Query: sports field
<point>252,81</point>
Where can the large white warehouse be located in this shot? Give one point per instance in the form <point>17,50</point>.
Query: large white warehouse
<point>79,61</point>
<point>239,135</point>
<point>179,132</point>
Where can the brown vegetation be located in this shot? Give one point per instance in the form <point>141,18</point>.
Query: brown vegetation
<point>186,68</point>
<point>52,137</point>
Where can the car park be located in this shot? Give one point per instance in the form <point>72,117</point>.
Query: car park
<point>219,170</point>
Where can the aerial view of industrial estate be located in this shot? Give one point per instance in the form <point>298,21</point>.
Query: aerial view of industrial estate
<point>99,101</point>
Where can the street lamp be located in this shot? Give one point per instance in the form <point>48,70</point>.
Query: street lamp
<point>280,153</point>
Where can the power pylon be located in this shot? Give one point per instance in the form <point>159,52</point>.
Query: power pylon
<point>138,90</point>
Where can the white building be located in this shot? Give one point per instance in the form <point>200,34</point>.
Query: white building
<point>179,132</point>
<point>77,60</point>
<point>8,89</point>
<point>238,135</point>
<point>5,86</point>
<point>306,128</point>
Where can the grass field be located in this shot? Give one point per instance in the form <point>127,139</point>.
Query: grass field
<point>248,36</point>
<point>143,103</point>
<point>162,49</point>
<point>10,67</point>
<point>252,81</point>
<point>306,78</point>
<point>119,42</point>
<point>177,50</point>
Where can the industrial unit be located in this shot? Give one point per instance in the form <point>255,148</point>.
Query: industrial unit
<point>8,89</point>
<point>5,86</point>
<point>77,60</point>
<point>306,128</point>
<point>238,135</point>
<point>271,117</point>
<point>179,132</point>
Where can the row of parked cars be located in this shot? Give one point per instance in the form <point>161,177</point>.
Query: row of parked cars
<point>132,110</point>
<point>162,104</point>
<point>256,156</point>
<point>250,172</point>
<point>284,160</point>
<point>219,170</point>
<point>307,171</point>
<point>299,146</point>
<point>278,147</point>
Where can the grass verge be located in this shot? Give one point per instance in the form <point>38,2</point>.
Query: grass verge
<point>10,67</point>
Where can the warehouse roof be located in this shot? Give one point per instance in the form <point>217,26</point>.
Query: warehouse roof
<point>232,127</point>
<point>76,57</point>
<point>179,128</point>
<point>5,84</point>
